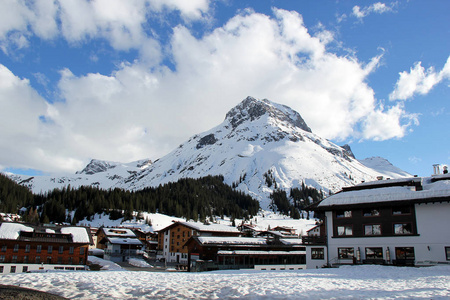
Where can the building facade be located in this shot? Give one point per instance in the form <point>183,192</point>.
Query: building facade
<point>400,222</point>
<point>172,239</point>
<point>26,248</point>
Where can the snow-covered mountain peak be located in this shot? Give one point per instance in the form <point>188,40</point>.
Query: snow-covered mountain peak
<point>251,109</point>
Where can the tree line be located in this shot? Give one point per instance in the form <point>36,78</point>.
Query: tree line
<point>193,199</point>
<point>298,200</point>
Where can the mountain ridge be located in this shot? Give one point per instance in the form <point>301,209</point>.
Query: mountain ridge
<point>257,137</point>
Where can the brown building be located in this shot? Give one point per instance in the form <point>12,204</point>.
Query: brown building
<point>25,247</point>
<point>172,239</point>
<point>219,253</point>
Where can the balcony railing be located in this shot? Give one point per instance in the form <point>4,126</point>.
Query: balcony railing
<point>314,240</point>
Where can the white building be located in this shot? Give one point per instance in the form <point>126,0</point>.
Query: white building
<point>402,222</point>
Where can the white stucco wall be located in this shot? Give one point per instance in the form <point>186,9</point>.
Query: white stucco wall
<point>433,228</point>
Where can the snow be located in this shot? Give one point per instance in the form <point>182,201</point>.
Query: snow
<point>139,263</point>
<point>211,227</point>
<point>124,241</point>
<point>79,234</point>
<point>350,282</point>
<point>119,232</point>
<point>232,240</point>
<point>245,145</point>
<point>11,231</point>
<point>438,189</point>
<point>106,264</point>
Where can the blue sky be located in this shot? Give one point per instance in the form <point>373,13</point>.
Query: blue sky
<point>127,80</point>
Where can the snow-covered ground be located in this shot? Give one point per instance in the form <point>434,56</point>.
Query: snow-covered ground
<point>351,282</point>
<point>263,221</point>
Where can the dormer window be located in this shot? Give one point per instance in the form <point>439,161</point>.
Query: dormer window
<point>371,212</point>
<point>344,214</point>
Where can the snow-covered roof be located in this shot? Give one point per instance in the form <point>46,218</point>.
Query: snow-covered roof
<point>79,234</point>
<point>432,189</point>
<point>125,241</point>
<point>11,231</point>
<point>245,252</point>
<point>122,232</point>
<point>231,240</point>
<point>207,228</point>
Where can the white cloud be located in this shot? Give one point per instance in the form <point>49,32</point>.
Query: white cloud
<point>122,23</point>
<point>137,112</point>
<point>418,81</point>
<point>377,7</point>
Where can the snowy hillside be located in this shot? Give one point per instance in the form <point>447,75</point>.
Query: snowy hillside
<point>259,137</point>
<point>259,146</point>
<point>99,173</point>
<point>384,167</point>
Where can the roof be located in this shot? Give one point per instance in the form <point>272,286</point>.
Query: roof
<point>16,231</point>
<point>205,228</point>
<point>244,241</point>
<point>118,232</point>
<point>431,189</point>
<point>124,241</point>
<point>245,252</point>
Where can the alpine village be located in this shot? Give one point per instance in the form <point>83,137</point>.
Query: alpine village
<point>235,209</point>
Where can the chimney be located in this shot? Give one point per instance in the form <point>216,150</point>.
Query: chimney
<point>379,177</point>
<point>436,169</point>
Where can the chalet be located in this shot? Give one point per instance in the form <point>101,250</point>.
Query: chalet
<point>397,221</point>
<point>248,230</point>
<point>119,244</point>
<point>218,253</point>
<point>26,247</point>
<point>172,239</point>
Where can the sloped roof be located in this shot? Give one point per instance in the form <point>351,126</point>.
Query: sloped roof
<point>434,189</point>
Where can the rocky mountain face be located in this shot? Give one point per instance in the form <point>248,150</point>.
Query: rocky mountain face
<point>259,147</point>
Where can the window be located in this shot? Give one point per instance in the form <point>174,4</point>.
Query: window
<point>345,253</point>
<point>372,229</point>
<point>1,269</point>
<point>59,259</point>
<point>50,249</point>
<point>4,248</point>
<point>2,258</point>
<point>24,269</point>
<point>61,250</point>
<point>371,212</point>
<point>345,230</point>
<point>16,248</point>
<point>374,253</point>
<point>27,248</point>
<point>404,253</point>
<point>344,214</point>
<point>38,259</point>
<point>49,259</point>
<point>402,228</point>
<point>71,250</point>
<point>13,269</point>
<point>14,259</point>
<point>25,259</point>
<point>38,248</point>
<point>447,253</point>
<point>82,251</point>
<point>403,210</point>
<point>317,253</point>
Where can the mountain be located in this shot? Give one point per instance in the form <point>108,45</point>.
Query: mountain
<point>259,146</point>
<point>384,167</point>
<point>104,174</point>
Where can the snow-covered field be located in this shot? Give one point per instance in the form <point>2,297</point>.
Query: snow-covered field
<point>350,282</point>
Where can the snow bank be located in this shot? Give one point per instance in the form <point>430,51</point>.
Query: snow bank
<point>352,282</point>
<point>139,263</point>
<point>106,264</point>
